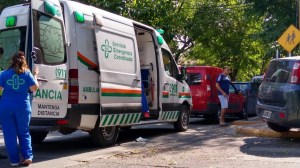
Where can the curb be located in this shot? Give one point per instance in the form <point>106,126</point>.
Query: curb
<point>266,133</point>
<point>246,122</point>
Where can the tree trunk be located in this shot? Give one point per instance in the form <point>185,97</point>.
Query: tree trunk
<point>234,74</point>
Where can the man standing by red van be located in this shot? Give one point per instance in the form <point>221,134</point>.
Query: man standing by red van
<point>223,83</point>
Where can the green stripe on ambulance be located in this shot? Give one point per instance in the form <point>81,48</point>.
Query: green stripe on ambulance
<point>120,119</point>
<point>170,115</point>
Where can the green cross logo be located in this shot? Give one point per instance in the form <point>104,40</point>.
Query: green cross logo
<point>15,82</point>
<point>106,48</point>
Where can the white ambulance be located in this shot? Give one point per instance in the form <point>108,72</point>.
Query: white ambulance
<point>92,67</point>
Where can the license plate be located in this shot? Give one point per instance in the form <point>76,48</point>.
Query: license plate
<point>267,114</point>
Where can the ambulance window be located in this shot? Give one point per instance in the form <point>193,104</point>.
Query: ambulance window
<point>49,38</point>
<point>11,41</point>
<point>169,64</point>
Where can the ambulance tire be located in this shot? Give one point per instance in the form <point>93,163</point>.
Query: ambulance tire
<point>182,122</point>
<point>38,137</point>
<point>105,136</point>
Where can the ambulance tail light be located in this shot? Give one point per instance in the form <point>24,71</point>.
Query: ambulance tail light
<point>295,78</point>
<point>73,86</point>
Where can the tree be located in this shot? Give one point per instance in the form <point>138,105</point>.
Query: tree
<point>216,32</point>
<point>114,6</point>
<point>174,17</point>
<point>5,3</point>
<point>225,37</point>
<point>238,33</point>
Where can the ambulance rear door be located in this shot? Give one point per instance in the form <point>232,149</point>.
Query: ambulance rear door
<point>49,55</point>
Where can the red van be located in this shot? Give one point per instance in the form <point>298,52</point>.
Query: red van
<point>202,82</point>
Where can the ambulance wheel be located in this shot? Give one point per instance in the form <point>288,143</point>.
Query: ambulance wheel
<point>182,122</point>
<point>105,136</point>
<point>38,137</point>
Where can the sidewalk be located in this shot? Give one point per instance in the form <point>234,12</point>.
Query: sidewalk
<point>257,127</point>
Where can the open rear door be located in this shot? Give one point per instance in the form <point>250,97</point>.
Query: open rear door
<point>49,55</point>
<point>120,78</point>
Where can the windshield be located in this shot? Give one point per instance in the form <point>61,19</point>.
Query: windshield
<point>280,71</point>
<point>11,41</point>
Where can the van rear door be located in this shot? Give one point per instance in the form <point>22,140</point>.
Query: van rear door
<point>196,82</point>
<point>49,55</point>
<point>276,85</point>
<point>120,75</point>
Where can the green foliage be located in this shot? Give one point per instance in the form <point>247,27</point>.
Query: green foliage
<point>5,3</point>
<point>274,15</point>
<point>114,6</point>
<point>173,17</point>
<point>238,33</point>
<point>225,37</point>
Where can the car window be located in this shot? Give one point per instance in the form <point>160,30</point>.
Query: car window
<point>11,41</point>
<point>232,89</point>
<point>241,86</point>
<point>169,64</point>
<point>254,88</point>
<point>194,79</point>
<point>279,71</point>
<point>49,38</point>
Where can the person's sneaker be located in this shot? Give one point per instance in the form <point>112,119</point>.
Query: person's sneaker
<point>2,156</point>
<point>15,164</point>
<point>26,162</point>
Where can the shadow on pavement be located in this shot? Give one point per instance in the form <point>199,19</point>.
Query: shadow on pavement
<point>58,146</point>
<point>271,147</point>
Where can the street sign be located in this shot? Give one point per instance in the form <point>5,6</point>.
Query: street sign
<point>290,38</point>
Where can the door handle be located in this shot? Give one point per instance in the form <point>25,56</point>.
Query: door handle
<point>166,83</point>
<point>42,80</point>
<point>136,79</point>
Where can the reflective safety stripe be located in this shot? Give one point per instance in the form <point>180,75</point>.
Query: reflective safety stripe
<point>170,115</point>
<point>120,119</point>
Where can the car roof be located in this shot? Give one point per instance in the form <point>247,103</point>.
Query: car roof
<point>289,58</point>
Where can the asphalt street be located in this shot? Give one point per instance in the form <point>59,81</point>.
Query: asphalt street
<point>203,145</point>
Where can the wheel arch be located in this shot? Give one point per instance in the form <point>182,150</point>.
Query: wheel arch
<point>188,105</point>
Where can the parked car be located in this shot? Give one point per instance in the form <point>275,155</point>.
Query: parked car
<point>249,91</point>
<point>206,104</point>
<point>257,79</point>
<point>279,94</point>
<point>243,87</point>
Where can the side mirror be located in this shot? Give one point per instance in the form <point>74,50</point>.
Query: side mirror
<point>36,55</point>
<point>182,76</point>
